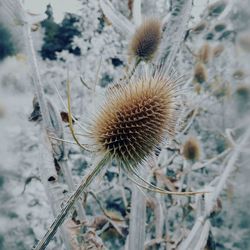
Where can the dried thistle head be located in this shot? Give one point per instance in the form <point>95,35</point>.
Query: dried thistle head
<point>200,73</point>
<point>205,53</point>
<point>146,40</point>
<point>192,149</point>
<point>135,118</point>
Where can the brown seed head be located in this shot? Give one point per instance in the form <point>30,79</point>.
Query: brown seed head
<point>146,40</point>
<point>205,53</point>
<point>135,118</point>
<point>200,73</point>
<point>192,149</point>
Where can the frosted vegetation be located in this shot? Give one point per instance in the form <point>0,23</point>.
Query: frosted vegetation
<point>180,183</point>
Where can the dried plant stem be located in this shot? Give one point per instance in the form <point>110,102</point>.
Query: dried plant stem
<point>137,12</point>
<point>69,204</point>
<point>47,152</point>
<point>70,182</point>
<point>47,171</point>
<point>137,218</point>
<point>132,71</point>
<point>200,221</point>
<point>173,36</point>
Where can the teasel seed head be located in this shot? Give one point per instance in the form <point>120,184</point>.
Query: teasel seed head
<point>146,40</point>
<point>135,118</point>
<point>200,73</point>
<point>192,149</point>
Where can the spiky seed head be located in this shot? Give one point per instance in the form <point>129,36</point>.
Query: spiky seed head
<point>205,53</point>
<point>192,149</point>
<point>134,119</point>
<point>146,40</point>
<point>200,73</point>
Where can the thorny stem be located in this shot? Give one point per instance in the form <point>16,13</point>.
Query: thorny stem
<point>69,205</point>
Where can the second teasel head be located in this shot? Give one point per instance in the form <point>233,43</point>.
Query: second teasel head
<point>146,40</point>
<point>191,149</point>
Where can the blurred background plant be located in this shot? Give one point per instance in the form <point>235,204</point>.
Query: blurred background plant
<point>212,53</point>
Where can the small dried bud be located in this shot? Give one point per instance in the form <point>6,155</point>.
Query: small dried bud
<point>200,73</point>
<point>205,53</point>
<point>243,93</point>
<point>146,40</point>
<point>218,50</point>
<point>217,8</point>
<point>192,149</point>
<point>135,118</point>
<point>220,27</point>
<point>238,74</point>
<point>199,27</point>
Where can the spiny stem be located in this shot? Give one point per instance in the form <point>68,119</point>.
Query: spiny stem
<point>69,205</point>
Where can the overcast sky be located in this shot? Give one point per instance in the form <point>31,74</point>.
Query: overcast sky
<point>59,7</point>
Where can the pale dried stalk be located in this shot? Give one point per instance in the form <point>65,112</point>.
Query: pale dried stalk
<point>137,18</point>
<point>47,170</point>
<point>137,218</point>
<point>200,221</point>
<point>69,205</point>
<point>174,34</point>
